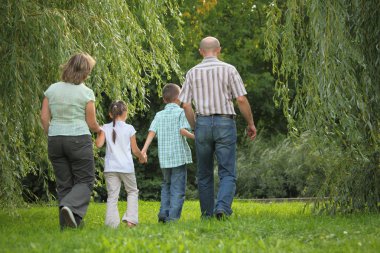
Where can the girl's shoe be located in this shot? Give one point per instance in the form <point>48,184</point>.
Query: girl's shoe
<point>130,224</point>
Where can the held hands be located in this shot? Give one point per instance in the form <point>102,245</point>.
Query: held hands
<point>251,132</point>
<point>144,158</point>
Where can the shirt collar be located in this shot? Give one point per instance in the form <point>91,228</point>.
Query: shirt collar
<point>210,59</point>
<point>171,105</point>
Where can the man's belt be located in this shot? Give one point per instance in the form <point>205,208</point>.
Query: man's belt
<point>230,116</point>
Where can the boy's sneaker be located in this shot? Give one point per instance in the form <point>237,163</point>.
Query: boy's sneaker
<point>68,216</point>
<point>161,219</point>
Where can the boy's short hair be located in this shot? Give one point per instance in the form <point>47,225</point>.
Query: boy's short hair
<point>170,92</point>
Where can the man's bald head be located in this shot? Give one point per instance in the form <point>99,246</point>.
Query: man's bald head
<point>209,44</point>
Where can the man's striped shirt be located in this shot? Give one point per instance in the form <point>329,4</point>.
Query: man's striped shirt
<point>212,84</point>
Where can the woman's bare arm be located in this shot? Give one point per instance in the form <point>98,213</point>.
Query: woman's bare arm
<point>45,115</point>
<point>91,117</point>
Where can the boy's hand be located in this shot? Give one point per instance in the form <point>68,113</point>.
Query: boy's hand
<point>145,158</point>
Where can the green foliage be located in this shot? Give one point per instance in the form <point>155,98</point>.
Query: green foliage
<point>129,40</point>
<point>284,227</point>
<point>330,51</point>
<point>266,169</point>
<point>288,167</point>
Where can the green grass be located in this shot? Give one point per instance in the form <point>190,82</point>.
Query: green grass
<point>276,227</point>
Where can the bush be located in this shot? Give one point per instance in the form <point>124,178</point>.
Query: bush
<point>311,166</point>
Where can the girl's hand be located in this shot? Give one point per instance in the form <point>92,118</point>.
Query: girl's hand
<point>143,159</point>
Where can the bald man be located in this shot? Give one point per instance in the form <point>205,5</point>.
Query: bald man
<point>212,85</point>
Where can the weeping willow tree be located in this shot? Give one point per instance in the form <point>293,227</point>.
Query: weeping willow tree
<point>127,38</point>
<point>328,53</point>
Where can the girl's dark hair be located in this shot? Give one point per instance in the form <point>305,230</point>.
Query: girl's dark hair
<point>116,109</point>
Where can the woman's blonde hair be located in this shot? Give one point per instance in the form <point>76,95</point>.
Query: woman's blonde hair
<point>77,68</point>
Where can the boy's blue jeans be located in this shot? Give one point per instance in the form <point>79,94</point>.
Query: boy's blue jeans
<point>172,193</point>
<point>215,135</point>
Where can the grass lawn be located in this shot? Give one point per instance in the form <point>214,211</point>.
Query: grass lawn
<point>277,227</point>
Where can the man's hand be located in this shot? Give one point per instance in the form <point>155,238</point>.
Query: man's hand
<point>251,132</point>
<point>246,111</point>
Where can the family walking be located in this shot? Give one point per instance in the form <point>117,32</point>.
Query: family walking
<point>68,114</point>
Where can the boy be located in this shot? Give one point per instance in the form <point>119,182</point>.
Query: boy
<point>174,153</point>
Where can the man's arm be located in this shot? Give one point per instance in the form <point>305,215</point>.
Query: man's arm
<point>189,112</point>
<point>246,111</point>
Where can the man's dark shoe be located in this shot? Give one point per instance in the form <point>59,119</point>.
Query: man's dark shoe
<point>161,219</point>
<point>220,215</point>
<point>69,218</point>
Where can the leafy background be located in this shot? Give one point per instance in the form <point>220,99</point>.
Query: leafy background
<point>311,69</point>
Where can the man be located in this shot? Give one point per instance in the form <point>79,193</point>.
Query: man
<point>213,85</point>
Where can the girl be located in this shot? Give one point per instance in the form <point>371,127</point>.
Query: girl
<point>121,139</point>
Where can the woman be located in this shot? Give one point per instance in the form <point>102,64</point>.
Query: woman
<point>67,115</point>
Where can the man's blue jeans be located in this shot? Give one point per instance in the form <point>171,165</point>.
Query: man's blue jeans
<point>216,135</point>
<point>172,193</point>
